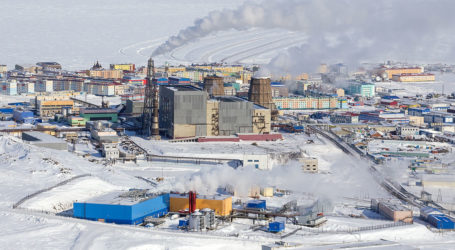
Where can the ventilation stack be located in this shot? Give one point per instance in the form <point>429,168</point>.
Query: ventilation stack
<point>214,85</point>
<point>260,93</point>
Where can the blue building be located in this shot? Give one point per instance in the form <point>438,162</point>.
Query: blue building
<point>23,116</point>
<point>418,111</point>
<point>161,81</point>
<point>276,226</point>
<point>123,208</point>
<point>179,80</point>
<point>256,204</point>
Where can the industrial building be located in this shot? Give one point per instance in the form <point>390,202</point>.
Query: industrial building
<point>44,140</point>
<point>49,108</point>
<point>344,118</point>
<point>99,114</point>
<point>392,211</point>
<point>436,218</point>
<point>389,72</point>
<point>131,207</point>
<point>187,111</point>
<point>23,116</point>
<point>221,204</point>
<point>414,77</point>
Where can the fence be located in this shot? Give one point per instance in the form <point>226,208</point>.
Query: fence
<point>17,204</point>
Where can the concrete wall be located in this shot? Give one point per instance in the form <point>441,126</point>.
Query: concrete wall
<point>261,121</point>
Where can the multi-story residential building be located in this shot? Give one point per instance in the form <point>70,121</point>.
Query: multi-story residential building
<point>26,88</point>
<point>8,87</point>
<point>306,102</point>
<point>106,74</point>
<point>44,86</point>
<point>100,88</point>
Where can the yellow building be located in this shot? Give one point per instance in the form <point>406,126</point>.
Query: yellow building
<point>414,78</point>
<point>230,69</point>
<point>106,74</point>
<point>124,67</point>
<point>48,108</point>
<point>222,205</point>
<point>416,121</point>
<point>398,71</point>
<point>171,70</point>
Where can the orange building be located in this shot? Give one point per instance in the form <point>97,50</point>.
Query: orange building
<point>222,205</point>
<point>398,71</point>
<point>414,78</point>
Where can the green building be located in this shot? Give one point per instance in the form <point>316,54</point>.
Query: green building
<point>362,89</point>
<point>99,114</point>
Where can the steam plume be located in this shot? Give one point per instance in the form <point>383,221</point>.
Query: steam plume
<point>340,30</point>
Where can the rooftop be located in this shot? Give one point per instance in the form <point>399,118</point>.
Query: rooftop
<point>43,137</point>
<point>130,197</point>
<point>203,197</point>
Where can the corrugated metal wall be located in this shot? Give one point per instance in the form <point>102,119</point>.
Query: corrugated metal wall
<point>235,117</point>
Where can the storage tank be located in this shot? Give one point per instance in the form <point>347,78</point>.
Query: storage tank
<point>209,216</point>
<point>196,222</point>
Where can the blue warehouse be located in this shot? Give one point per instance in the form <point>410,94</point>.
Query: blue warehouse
<point>130,207</point>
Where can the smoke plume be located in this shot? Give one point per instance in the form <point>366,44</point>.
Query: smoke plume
<point>340,30</point>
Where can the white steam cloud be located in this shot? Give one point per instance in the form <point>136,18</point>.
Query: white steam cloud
<point>340,30</point>
<point>347,179</point>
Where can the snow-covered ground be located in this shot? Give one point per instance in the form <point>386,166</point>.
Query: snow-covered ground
<point>26,169</point>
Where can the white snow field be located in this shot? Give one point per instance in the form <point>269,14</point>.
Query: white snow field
<point>25,169</point>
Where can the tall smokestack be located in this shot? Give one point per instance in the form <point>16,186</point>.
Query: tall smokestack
<point>214,85</point>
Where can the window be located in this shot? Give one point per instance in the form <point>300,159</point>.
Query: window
<point>250,160</point>
<point>256,160</point>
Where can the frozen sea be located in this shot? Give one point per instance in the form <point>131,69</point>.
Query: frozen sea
<point>76,33</point>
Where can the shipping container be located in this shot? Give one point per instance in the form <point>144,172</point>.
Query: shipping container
<point>441,221</point>
<point>276,226</point>
<point>256,204</point>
